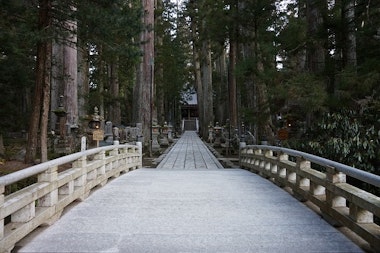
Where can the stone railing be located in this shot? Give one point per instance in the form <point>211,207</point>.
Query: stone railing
<point>43,202</point>
<point>323,183</point>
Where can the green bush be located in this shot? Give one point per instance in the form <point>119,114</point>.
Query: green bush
<point>350,137</point>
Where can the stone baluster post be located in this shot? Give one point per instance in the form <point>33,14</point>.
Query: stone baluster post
<point>51,176</point>
<point>281,170</point>
<point>115,164</point>
<point>51,198</point>
<point>360,215</point>
<point>302,184</point>
<point>114,152</point>
<point>265,165</point>
<point>256,166</point>
<point>123,152</point>
<point>100,170</point>
<point>333,177</point>
<point>81,181</point>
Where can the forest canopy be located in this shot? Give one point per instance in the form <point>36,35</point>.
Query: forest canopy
<point>309,67</point>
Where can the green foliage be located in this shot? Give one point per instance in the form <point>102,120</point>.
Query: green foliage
<point>172,57</point>
<point>349,137</point>
<point>17,40</point>
<point>111,31</point>
<point>292,36</point>
<point>304,91</point>
<point>111,26</point>
<point>355,85</point>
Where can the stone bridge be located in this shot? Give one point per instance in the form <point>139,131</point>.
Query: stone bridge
<point>190,203</point>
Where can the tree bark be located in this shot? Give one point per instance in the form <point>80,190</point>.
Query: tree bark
<point>83,82</point>
<point>221,104</point>
<point>144,89</point>
<point>349,51</point>
<point>198,86</point>
<point>71,75</point>
<point>160,97</point>
<point>137,95</point>
<point>197,67</point>
<point>115,110</point>
<point>44,23</point>
<point>206,74</point>
<point>316,48</point>
<point>232,91</point>
<point>56,83</point>
<point>46,103</point>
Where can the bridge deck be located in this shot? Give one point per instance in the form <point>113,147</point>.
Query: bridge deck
<point>203,210</point>
<point>189,153</point>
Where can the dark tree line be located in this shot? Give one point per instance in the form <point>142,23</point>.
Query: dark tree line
<point>289,66</point>
<point>78,54</point>
<point>265,65</point>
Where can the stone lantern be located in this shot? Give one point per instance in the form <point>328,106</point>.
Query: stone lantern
<point>61,113</point>
<point>163,138</point>
<point>155,136</point>
<point>95,126</point>
<point>95,121</point>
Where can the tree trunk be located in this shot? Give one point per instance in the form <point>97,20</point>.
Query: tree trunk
<point>349,51</point>
<point>221,105</point>
<point>137,95</point>
<point>56,83</point>
<point>316,48</point>
<point>31,148</point>
<point>197,72</point>
<point>103,79</point>
<point>160,97</point>
<point>206,74</point>
<point>232,91</point>
<point>46,103</point>
<point>71,75</point>
<point>199,88</point>
<point>158,74</point>
<point>144,89</point>
<point>248,94</point>
<point>115,111</point>
<point>44,23</point>
<point>265,126</point>
<point>83,82</point>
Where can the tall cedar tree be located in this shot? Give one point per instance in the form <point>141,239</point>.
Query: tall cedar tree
<point>42,85</point>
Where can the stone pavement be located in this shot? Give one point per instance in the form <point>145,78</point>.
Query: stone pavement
<point>189,153</point>
<point>194,210</point>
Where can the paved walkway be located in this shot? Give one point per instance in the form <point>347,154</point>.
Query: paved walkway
<point>189,153</point>
<point>194,210</point>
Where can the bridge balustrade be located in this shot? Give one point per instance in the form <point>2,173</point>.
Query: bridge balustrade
<point>323,183</point>
<point>43,202</point>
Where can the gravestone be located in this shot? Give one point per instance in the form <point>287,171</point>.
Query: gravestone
<point>139,130</point>
<point>163,137</point>
<point>108,134</point>
<point>83,143</point>
<point>116,136</point>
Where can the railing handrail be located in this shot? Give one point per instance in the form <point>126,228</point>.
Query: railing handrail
<point>43,202</point>
<point>339,201</point>
<point>38,168</point>
<point>348,170</point>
